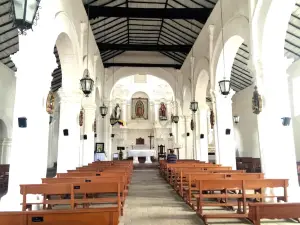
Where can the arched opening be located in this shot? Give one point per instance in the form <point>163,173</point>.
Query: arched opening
<point>202,127</point>
<point>62,78</point>
<point>145,104</point>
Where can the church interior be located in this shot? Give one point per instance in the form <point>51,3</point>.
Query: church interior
<point>137,112</point>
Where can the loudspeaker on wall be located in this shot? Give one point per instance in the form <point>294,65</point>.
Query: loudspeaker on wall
<point>171,134</point>
<point>22,121</point>
<point>201,136</point>
<point>95,135</point>
<point>66,132</point>
<point>112,135</point>
<point>187,134</point>
<point>85,137</point>
<point>227,132</point>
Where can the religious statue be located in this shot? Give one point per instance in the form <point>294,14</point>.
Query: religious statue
<point>81,118</point>
<point>162,112</point>
<point>116,114</point>
<point>256,102</point>
<point>50,103</point>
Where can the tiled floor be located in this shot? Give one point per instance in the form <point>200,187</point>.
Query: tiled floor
<point>151,201</point>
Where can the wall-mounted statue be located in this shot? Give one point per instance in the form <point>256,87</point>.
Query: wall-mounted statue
<point>163,111</point>
<point>116,113</point>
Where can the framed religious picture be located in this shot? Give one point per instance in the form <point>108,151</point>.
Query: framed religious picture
<point>139,108</point>
<point>99,147</point>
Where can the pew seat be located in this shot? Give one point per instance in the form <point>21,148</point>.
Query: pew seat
<point>262,210</point>
<point>91,216</point>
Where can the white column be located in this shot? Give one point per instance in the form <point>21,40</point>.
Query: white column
<point>50,162</point>
<point>124,111</point>
<point>203,130</point>
<point>5,151</point>
<point>69,146</point>
<point>29,150</point>
<point>226,146</point>
<point>278,159</point>
<point>188,140</point>
<point>156,112</point>
<point>88,144</point>
<point>197,135</point>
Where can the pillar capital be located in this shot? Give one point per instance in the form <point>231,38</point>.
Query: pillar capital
<point>70,96</point>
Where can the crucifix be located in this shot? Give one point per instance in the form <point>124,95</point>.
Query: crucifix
<point>150,137</point>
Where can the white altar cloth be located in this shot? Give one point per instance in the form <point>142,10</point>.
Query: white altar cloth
<point>141,153</point>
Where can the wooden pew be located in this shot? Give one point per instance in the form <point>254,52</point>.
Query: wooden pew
<point>170,168</point>
<point>185,177</point>
<point>238,198</point>
<point>180,174</point>
<point>200,167</point>
<point>91,216</point>
<point>262,210</point>
<point>193,179</point>
<point>47,190</point>
<point>99,180</point>
<point>62,189</point>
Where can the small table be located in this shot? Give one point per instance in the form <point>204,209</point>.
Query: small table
<point>99,157</point>
<point>141,153</point>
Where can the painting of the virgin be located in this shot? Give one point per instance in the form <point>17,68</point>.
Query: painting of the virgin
<point>139,108</point>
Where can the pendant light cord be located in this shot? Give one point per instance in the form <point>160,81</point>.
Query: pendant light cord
<point>87,42</point>
<point>222,25</point>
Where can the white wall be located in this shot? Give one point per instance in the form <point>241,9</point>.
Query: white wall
<point>7,100</point>
<point>294,88</point>
<point>246,131</point>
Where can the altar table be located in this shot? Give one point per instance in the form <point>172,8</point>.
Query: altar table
<point>135,153</point>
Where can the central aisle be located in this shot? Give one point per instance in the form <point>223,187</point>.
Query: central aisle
<point>151,201</point>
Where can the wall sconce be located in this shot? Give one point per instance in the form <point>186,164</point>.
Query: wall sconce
<point>236,119</point>
<point>286,121</point>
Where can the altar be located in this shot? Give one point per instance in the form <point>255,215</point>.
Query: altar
<point>135,153</point>
<point>141,150</point>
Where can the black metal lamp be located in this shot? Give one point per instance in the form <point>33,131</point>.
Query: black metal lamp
<point>225,86</point>
<point>175,119</point>
<point>113,121</point>
<point>25,12</point>
<point>236,119</point>
<point>103,110</point>
<point>194,106</point>
<point>87,84</point>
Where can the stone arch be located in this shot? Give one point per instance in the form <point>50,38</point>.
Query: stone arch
<point>236,31</point>
<point>129,71</point>
<point>267,15</point>
<point>202,79</point>
<point>187,97</point>
<point>7,124</point>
